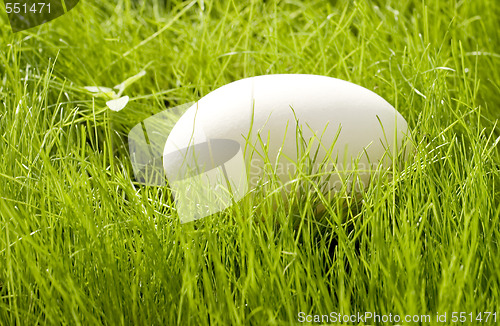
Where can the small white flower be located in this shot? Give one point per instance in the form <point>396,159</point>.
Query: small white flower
<point>118,104</point>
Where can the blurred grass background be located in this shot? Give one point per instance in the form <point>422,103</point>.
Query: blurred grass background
<point>80,243</point>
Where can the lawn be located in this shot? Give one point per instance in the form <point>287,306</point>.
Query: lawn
<point>81,242</point>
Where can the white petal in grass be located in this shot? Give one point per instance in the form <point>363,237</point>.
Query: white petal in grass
<point>101,91</point>
<point>118,104</point>
<point>98,89</point>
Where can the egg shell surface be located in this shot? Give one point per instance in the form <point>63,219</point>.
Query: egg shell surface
<point>348,124</point>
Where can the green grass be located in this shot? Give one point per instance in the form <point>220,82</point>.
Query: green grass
<point>80,243</point>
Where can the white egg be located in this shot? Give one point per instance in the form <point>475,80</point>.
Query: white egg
<point>217,150</point>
